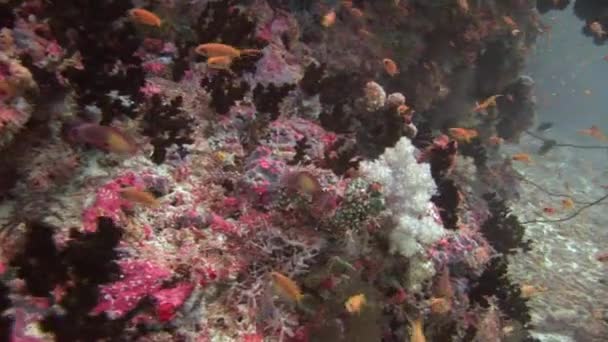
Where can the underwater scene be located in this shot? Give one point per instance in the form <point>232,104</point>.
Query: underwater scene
<point>303,170</point>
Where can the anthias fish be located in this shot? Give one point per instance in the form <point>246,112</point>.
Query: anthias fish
<point>106,138</point>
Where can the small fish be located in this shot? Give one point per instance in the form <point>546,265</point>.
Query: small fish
<point>528,290</point>
<point>509,21</point>
<point>549,210</point>
<point>286,287</point>
<point>440,305</point>
<point>144,17</point>
<point>487,103</point>
<point>463,5</point>
<point>305,183</point>
<point>106,138</point>
<point>587,92</point>
<point>522,157</point>
<point>220,62</point>
<point>594,132</point>
<point>463,134</point>
<point>390,67</point>
<point>223,50</point>
<point>597,29</point>
<point>355,303</point>
<point>139,196</point>
<point>602,257</point>
<point>329,19</point>
<point>417,331</point>
<point>567,203</point>
<point>544,126</point>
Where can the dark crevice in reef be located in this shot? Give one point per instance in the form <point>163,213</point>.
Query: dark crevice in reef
<point>502,229</point>
<point>86,26</point>
<point>477,151</point>
<point>224,92</point>
<point>505,234</point>
<point>592,11</point>
<point>379,130</point>
<point>88,260</point>
<point>311,80</point>
<point>38,263</point>
<point>545,6</point>
<point>167,124</point>
<point>6,322</point>
<point>7,17</point>
<point>267,99</point>
<point>494,282</point>
<point>447,200</point>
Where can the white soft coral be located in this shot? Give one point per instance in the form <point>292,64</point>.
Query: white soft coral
<point>408,186</point>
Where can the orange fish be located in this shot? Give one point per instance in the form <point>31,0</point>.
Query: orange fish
<point>139,196</point>
<point>417,331</point>
<point>223,50</point>
<point>144,17</point>
<point>487,103</point>
<point>594,132</point>
<point>286,287</point>
<point>109,139</point>
<point>440,305</point>
<point>355,303</point>
<point>509,21</point>
<point>390,67</point>
<point>522,157</point>
<point>329,19</point>
<point>463,134</point>
<point>528,290</point>
<point>567,203</point>
<point>220,63</point>
<point>597,29</point>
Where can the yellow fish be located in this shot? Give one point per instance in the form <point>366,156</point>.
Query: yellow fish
<point>567,203</point>
<point>286,287</point>
<point>417,331</point>
<point>355,303</point>
<point>487,103</point>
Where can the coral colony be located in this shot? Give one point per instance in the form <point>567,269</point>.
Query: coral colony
<point>293,180</point>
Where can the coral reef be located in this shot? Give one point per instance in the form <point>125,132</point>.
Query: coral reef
<point>299,153</point>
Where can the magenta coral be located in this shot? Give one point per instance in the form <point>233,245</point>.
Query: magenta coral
<point>169,300</point>
<point>108,202</point>
<point>138,279</point>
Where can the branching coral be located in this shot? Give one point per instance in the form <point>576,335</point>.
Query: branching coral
<point>408,186</point>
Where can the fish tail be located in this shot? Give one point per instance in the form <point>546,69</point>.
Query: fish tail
<point>250,52</point>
